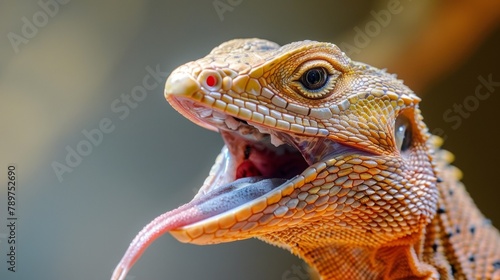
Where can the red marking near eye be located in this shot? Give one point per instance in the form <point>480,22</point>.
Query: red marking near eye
<point>211,81</point>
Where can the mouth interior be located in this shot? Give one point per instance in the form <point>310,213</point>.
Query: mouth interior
<point>254,151</point>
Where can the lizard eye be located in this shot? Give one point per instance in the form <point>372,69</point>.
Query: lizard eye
<point>314,79</point>
<point>403,133</point>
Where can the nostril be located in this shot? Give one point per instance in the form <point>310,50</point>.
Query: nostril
<point>180,84</point>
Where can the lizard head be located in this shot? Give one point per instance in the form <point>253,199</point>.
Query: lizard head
<point>319,150</point>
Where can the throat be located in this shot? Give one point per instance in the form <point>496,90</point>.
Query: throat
<point>401,260</point>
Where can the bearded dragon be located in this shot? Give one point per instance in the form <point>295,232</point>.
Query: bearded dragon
<point>327,158</point>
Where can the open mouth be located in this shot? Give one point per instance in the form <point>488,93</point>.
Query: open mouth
<point>252,152</point>
<point>254,161</point>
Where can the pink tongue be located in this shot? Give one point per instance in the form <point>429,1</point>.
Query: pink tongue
<point>217,201</point>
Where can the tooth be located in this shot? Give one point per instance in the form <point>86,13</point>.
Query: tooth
<point>219,115</point>
<point>262,129</point>
<point>276,141</point>
<point>232,123</point>
<point>203,112</point>
<point>217,121</point>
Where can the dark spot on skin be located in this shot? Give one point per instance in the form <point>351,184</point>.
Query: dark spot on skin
<point>441,210</point>
<point>453,270</point>
<point>457,230</point>
<point>496,265</point>
<point>472,259</point>
<point>434,247</point>
<point>472,229</point>
<point>450,192</point>
<point>247,151</point>
<point>449,235</point>
<point>439,180</point>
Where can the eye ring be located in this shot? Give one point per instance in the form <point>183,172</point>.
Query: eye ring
<point>210,79</point>
<point>314,79</point>
<point>403,133</point>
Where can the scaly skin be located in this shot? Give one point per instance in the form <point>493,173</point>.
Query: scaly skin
<point>375,197</point>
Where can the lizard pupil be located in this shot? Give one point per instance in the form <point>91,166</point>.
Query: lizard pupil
<point>314,78</point>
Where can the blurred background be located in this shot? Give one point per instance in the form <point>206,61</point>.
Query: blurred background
<point>68,68</point>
